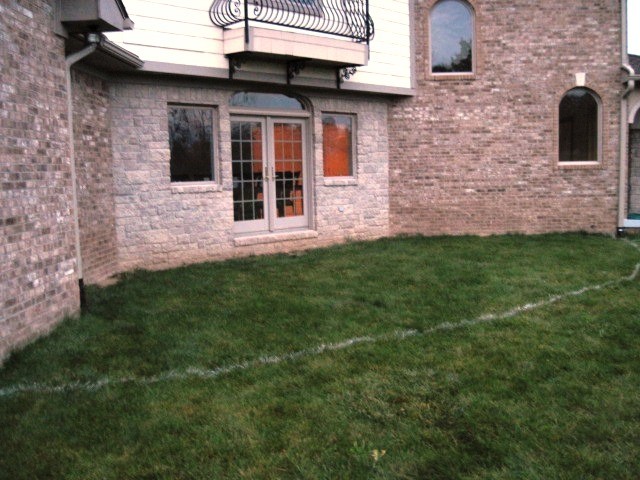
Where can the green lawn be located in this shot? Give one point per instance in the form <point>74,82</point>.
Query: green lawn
<point>428,391</point>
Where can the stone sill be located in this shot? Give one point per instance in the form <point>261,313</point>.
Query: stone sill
<point>340,181</point>
<point>579,165</point>
<point>246,241</point>
<point>451,77</point>
<point>196,187</point>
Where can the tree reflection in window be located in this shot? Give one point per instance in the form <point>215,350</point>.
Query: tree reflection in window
<point>260,100</point>
<point>191,144</point>
<point>451,37</point>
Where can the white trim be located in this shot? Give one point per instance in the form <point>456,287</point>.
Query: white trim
<point>271,223</point>
<point>578,163</point>
<point>631,223</point>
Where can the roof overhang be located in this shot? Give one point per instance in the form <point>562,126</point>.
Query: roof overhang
<point>82,16</point>
<point>108,56</point>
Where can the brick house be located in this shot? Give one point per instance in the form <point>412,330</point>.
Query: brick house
<point>208,130</point>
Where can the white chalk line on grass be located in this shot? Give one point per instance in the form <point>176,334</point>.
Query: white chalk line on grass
<point>189,373</point>
<point>633,244</point>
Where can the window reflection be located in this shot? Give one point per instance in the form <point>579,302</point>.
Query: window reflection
<point>451,37</point>
<point>191,144</point>
<point>265,100</point>
<point>337,145</point>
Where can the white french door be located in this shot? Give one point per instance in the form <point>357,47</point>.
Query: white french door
<point>269,174</point>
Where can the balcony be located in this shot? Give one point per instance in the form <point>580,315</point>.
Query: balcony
<point>332,33</point>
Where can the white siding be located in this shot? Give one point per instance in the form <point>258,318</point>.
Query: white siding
<point>181,33</point>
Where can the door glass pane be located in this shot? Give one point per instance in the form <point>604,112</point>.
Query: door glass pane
<point>247,162</point>
<point>287,147</point>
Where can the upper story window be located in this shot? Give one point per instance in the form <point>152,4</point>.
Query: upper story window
<point>579,126</point>
<point>452,37</point>
<point>191,143</point>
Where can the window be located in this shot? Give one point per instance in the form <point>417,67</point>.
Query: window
<point>191,143</point>
<point>452,41</point>
<point>337,145</point>
<point>259,100</point>
<point>579,126</point>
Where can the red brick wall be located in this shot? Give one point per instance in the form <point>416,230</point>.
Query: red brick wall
<point>479,155</point>
<point>92,132</point>
<point>38,285</point>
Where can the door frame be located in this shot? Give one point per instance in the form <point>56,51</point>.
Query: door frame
<point>271,223</point>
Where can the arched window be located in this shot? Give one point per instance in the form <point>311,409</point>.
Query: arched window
<point>260,100</point>
<point>452,42</point>
<point>579,127</point>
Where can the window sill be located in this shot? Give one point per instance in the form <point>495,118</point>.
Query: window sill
<point>452,77</point>
<point>340,181</point>
<point>579,165</point>
<point>259,239</point>
<point>196,187</point>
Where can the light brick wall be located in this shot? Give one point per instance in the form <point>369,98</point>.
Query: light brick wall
<point>479,155</point>
<point>92,127</point>
<point>38,285</point>
<point>160,225</point>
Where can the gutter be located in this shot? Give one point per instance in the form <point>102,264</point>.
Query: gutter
<point>117,52</point>
<point>92,40</point>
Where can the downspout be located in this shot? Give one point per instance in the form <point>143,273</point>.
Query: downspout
<point>624,149</point>
<point>631,82</point>
<point>92,40</point>
<point>624,127</point>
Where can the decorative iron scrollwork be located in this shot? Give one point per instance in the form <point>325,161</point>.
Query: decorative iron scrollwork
<point>345,18</point>
<point>294,68</point>
<point>235,64</point>
<point>344,73</point>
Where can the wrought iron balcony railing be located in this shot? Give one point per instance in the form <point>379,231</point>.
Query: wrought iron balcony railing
<point>344,18</point>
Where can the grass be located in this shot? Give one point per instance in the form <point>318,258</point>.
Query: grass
<point>550,393</point>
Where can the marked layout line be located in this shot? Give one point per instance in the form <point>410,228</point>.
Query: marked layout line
<point>189,373</point>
